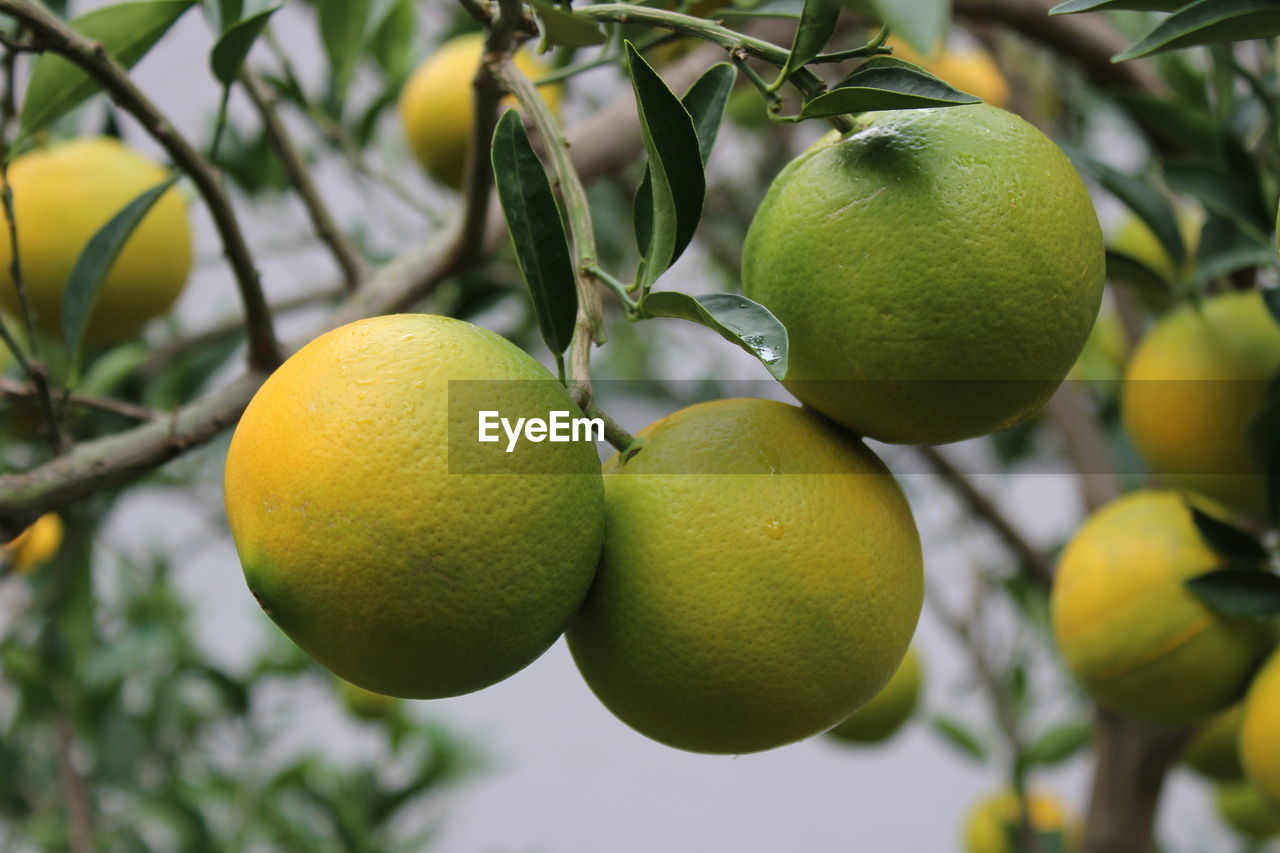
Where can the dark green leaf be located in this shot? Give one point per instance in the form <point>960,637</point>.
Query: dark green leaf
<point>886,84</point>
<point>959,736</point>
<point>1225,248</point>
<point>1152,285</point>
<point>736,318</point>
<point>1058,744</point>
<point>126,32</point>
<point>675,168</point>
<point>1226,540</point>
<point>1271,296</point>
<point>537,231</point>
<point>342,29</point>
<point>1073,6</point>
<point>920,23</point>
<point>96,260</point>
<point>816,27</point>
<point>392,42</point>
<point>1145,200</point>
<point>1222,192</point>
<point>222,13</point>
<point>564,29</point>
<point>1239,593</point>
<point>1209,22</point>
<point>231,49</point>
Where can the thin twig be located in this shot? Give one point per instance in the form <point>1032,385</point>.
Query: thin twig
<point>75,793</point>
<point>13,388</point>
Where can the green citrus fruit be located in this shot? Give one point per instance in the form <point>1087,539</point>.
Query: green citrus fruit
<point>880,719</point>
<point>1194,388</point>
<point>993,821</point>
<point>1246,811</point>
<point>1260,732</point>
<point>938,271</point>
<point>761,579</point>
<point>62,196</point>
<point>375,536</point>
<point>1132,633</point>
<point>1214,752</point>
<point>436,108</point>
<point>367,705</point>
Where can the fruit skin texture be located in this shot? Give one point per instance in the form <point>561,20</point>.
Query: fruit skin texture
<point>1132,634</point>
<point>398,572</point>
<point>988,828</point>
<point>925,249</point>
<point>62,196</point>
<point>1245,810</point>
<point>884,715</point>
<point>36,545</point>
<point>761,579</point>
<point>1194,386</point>
<point>1260,732</point>
<point>971,70</point>
<point>436,108</point>
<point>1214,752</point>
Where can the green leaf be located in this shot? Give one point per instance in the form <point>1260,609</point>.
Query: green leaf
<point>233,46</point>
<point>886,84</point>
<point>96,260</point>
<point>1151,206</point>
<point>564,29</point>
<point>1223,192</point>
<point>126,32</point>
<point>1239,593</point>
<point>1073,6</point>
<point>537,231</point>
<point>342,29</point>
<point>1225,247</point>
<point>959,737</point>
<point>1226,540</point>
<point>1059,744</point>
<point>705,102</point>
<point>392,42</point>
<point>734,317</point>
<point>1209,22</point>
<point>675,168</point>
<point>1151,284</point>
<point>222,13</point>
<point>817,25</point>
<point>1271,298</point>
<point>920,23</point>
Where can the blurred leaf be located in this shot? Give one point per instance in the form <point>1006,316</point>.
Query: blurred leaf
<point>1222,192</point>
<point>126,32</point>
<point>342,29</point>
<point>886,84</point>
<point>96,260</point>
<point>1151,284</point>
<point>734,317</point>
<point>1271,297</point>
<point>222,13</point>
<point>1226,540</point>
<point>392,42</point>
<point>1151,206</point>
<point>920,23</point>
<point>1225,248</point>
<point>1209,22</point>
<point>564,29</point>
<point>817,25</point>
<point>252,163</point>
<point>959,737</point>
<point>232,48</point>
<point>1188,122</point>
<point>1073,6</point>
<point>537,231</point>
<point>1059,744</point>
<point>1238,593</point>
<point>675,169</point>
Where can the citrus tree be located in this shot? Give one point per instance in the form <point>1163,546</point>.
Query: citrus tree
<point>890,208</point>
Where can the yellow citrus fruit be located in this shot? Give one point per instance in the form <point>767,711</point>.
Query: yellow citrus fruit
<point>1132,633</point>
<point>881,718</point>
<point>969,69</point>
<point>1246,811</point>
<point>367,705</point>
<point>1260,732</point>
<point>62,196</point>
<point>761,579</point>
<point>378,536</point>
<point>1214,752</point>
<point>993,821</point>
<point>436,108</point>
<point>36,545</point>
<point>1193,389</point>
<point>938,271</point>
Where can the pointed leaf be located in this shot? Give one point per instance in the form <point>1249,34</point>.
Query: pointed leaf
<point>959,737</point>
<point>1059,744</point>
<point>1271,296</point>
<point>1151,284</point>
<point>1225,247</point>
<point>126,32</point>
<point>735,318</point>
<point>1222,192</point>
<point>1209,22</point>
<point>1239,593</point>
<point>392,42</point>
<point>675,168</point>
<point>1226,540</point>
<point>96,260</point>
<point>222,13</point>
<point>233,46</point>
<point>1074,6</point>
<point>887,84</point>
<point>1145,200</point>
<point>920,23</point>
<point>537,231</point>
<point>817,25</point>
<point>342,29</point>
<point>564,29</point>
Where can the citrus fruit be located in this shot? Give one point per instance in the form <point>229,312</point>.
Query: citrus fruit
<point>378,536</point>
<point>761,579</point>
<point>880,718</point>
<point>1214,752</point>
<point>1260,732</point>
<point>436,106</point>
<point>36,545</point>
<point>1131,632</point>
<point>1246,811</point>
<point>1193,389</point>
<point>367,705</point>
<point>993,822</point>
<point>937,270</point>
<point>62,196</point>
<point>969,69</point>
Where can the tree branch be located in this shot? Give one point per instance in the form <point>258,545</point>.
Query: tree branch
<point>12,388</point>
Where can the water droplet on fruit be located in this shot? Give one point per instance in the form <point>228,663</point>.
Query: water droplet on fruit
<point>774,529</point>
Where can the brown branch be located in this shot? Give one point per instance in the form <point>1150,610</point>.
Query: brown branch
<point>1086,444</point>
<point>13,388</point>
<point>1132,763</point>
<point>264,351</point>
<point>348,259</point>
<point>75,793</point>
